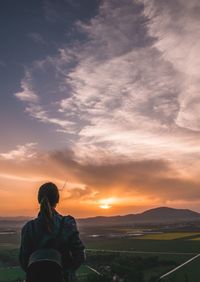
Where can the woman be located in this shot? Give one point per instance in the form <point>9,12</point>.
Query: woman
<point>50,239</point>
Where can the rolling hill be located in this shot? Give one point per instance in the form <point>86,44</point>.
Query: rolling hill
<point>157,215</point>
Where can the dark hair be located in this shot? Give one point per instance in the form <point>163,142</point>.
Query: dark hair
<point>48,197</point>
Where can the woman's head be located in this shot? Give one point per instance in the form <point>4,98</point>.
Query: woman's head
<point>48,197</point>
<point>50,191</point>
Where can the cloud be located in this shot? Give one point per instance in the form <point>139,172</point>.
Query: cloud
<point>27,94</point>
<point>158,180</point>
<point>150,182</point>
<point>37,38</point>
<point>127,89</point>
<point>40,114</point>
<point>126,98</point>
<point>120,78</point>
<point>63,10</point>
<point>175,24</point>
<point>36,104</point>
<point>21,153</point>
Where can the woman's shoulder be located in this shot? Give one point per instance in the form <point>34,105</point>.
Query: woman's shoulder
<point>69,218</point>
<point>65,218</point>
<point>69,222</point>
<point>27,227</point>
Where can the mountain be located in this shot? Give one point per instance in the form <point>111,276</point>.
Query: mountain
<point>15,218</point>
<point>157,215</point>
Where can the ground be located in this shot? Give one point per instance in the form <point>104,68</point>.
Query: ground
<point>169,248</point>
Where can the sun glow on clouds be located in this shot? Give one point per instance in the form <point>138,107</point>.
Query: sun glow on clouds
<point>105,206</point>
<point>93,189</point>
<point>127,101</point>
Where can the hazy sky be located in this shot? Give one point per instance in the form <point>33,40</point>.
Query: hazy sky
<point>104,94</point>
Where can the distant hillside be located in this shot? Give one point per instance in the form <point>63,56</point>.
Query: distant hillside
<point>157,215</point>
<point>14,218</point>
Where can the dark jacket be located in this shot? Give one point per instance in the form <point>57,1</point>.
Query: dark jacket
<point>64,238</point>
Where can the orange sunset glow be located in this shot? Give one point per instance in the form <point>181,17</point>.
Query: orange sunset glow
<point>105,104</point>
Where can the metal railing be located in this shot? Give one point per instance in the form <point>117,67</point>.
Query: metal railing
<point>165,277</point>
<point>92,269</point>
<point>161,278</point>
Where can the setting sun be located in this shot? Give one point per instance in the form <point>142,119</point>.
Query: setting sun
<point>124,135</point>
<point>105,207</point>
<point>106,203</point>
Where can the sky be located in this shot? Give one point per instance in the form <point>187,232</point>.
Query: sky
<point>102,95</point>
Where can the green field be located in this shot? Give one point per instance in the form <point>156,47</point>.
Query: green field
<point>195,239</point>
<point>176,247</point>
<point>145,245</point>
<point>170,236</point>
<point>13,273</point>
<point>190,272</point>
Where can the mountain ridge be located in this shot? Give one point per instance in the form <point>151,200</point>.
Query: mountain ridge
<point>154,215</point>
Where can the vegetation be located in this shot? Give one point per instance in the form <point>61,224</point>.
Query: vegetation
<point>145,245</point>
<point>169,236</point>
<point>142,259</point>
<point>127,267</point>
<point>8,257</point>
<point>11,274</point>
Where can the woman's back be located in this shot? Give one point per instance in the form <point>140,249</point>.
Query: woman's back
<point>55,232</point>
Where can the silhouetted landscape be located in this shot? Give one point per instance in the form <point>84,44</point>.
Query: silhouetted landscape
<point>158,215</point>
<point>100,99</point>
<point>136,246</point>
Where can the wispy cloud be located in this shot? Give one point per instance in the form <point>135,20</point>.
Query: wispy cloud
<point>37,38</point>
<point>63,10</point>
<point>129,89</point>
<point>21,153</point>
<point>27,94</point>
<point>37,112</point>
<point>126,98</point>
<point>37,105</point>
<point>175,24</point>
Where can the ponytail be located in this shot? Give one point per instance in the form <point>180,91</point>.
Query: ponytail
<point>47,214</point>
<point>48,197</point>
